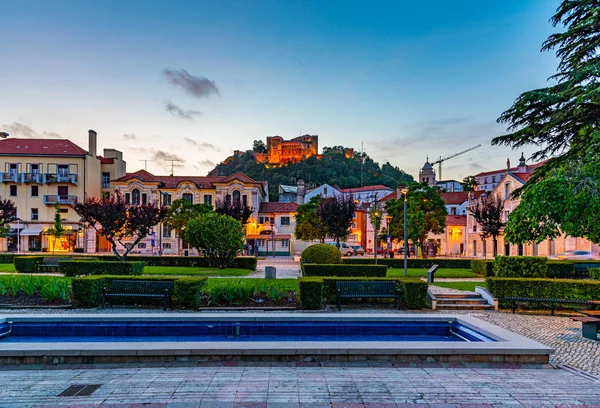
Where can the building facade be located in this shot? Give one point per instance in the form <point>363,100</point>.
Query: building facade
<point>280,151</point>
<point>273,233</point>
<point>40,174</point>
<point>488,180</point>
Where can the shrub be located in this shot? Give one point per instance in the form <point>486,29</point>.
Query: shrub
<point>78,250</point>
<point>594,273</point>
<point>87,291</point>
<point>413,262</point>
<point>483,267</point>
<point>219,237</point>
<point>311,269</point>
<point>6,258</point>
<point>543,288</point>
<point>81,267</point>
<point>311,293</point>
<point>520,267</point>
<point>321,254</point>
<point>561,270</point>
<point>238,291</point>
<point>27,264</point>
<point>48,287</point>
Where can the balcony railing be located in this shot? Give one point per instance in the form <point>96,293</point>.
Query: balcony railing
<point>105,184</point>
<point>32,177</point>
<point>60,178</point>
<point>60,199</point>
<point>10,177</point>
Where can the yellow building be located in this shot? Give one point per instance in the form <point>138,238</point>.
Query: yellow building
<point>143,186</point>
<point>39,173</point>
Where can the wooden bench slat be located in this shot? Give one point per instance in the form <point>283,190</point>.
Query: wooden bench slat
<point>365,289</point>
<point>123,288</point>
<point>585,319</point>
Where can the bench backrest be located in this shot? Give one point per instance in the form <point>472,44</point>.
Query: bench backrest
<point>54,261</point>
<point>141,287</point>
<point>356,288</point>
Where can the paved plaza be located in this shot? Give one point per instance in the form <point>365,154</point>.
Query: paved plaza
<point>292,385</point>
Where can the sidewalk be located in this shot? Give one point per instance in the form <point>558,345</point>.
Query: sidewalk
<point>286,268</point>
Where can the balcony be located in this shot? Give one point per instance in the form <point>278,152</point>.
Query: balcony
<point>32,178</point>
<point>60,199</point>
<point>60,178</point>
<point>10,177</point>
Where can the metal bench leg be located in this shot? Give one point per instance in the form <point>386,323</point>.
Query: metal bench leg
<point>514,305</point>
<point>339,302</point>
<point>103,301</point>
<point>590,330</point>
<point>165,300</point>
<point>552,306</point>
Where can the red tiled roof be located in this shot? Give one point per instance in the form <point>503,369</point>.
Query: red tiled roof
<point>105,160</point>
<point>456,220</point>
<point>393,194</point>
<point>199,181</point>
<point>277,207</point>
<point>365,188</point>
<point>530,167</point>
<point>459,197</point>
<point>268,236</point>
<point>524,177</point>
<point>40,147</point>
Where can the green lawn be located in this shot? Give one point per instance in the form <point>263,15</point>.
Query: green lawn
<point>284,284</point>
<point>7,268</point>
<point>470,286</point>
<point>441,273</point>
<point>194,271</point>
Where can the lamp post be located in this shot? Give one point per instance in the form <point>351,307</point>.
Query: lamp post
<point>405,192</point>
<point>388,219</point>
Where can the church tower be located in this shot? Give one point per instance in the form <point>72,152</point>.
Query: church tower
<point>427,174</point>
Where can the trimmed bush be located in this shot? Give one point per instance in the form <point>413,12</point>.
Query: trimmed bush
<point>543,288</point>
<point>188,291</point>
<point>482,267</point>
<point>416,293</point>
<point>594,273</point>
<point>81,267</point>
<point>561,270</point>
<point>321,254</point>
<point>6,258</point>
<point>242,262</point>
<point>311,293</point>
<point>311,269</point>
<point>27,264</point>
<point>520,267</point>
<point>413,262</point>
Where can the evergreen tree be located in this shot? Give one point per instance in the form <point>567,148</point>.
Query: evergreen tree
<point>58,229</point>
<point>336,215</point>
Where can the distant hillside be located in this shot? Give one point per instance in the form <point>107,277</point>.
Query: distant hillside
<point>332,168</point>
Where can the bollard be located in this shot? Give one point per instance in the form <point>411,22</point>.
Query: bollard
<point>270,272</point>
<point>431,273</point>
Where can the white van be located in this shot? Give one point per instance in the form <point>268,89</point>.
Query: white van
<point>344,248</point>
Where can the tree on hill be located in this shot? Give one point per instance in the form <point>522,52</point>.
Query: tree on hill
<point>469,183</point>
<point>258,146</point>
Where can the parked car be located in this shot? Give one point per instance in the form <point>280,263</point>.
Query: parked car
<point>345,249</point>
<point>411,250</point>
<point>577,256</point>
<point>358,250</point>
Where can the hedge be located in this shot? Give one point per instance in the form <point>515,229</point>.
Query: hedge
<point>242,262</point>
<point>482,267</point>
<point>311,269</point>
<point>81,267</point>
<point>321,254</point>
<point>594,273</point>
<point>543,288</point>
<point>187,294</point>
<point>561,270</point>
<point>413,262</point>
<point>414,290</point>
<point>27,264</point>
<point>520,267</point>
<point>7,258</point>
<point>311,293</point>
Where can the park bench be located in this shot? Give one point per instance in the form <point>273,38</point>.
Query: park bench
<point>589,326</point>
<point>366,289</point>
<point>131,289</point>
<point>51,264</point>
<point>552,301</point>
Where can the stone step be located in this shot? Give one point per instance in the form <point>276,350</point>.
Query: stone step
<point>465,307</point>
<point>458,296</point>
<point>461,301</point>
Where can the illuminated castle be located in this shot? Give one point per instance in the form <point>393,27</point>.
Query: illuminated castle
<point>280,152</point>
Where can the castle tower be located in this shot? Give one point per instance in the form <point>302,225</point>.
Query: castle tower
<point>427,174</point>
<point>522,167</point>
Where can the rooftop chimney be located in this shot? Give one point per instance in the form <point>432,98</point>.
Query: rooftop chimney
<point>92,143</point>
<point>300,192</point>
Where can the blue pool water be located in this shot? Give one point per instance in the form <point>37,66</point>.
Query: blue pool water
<point>160,331</point>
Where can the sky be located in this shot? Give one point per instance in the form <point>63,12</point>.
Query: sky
<point>194,80</point>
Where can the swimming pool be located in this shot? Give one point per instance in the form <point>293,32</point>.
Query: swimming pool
<point>293,337</point>
<point>103,331</point>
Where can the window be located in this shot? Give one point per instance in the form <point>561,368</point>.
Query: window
<point>127,198</point>
<point>34,214</point>
<point>13,190</point>
<point>354,226</point>
<point>506,191</point>
<point>325,191</point>
<point>34,191</point>
<point>144,198</point>
<point>260,242</point>
<point>264,220</point>
<point>189,197</point>
<point>166,245</point>
<point>166,232</point>
<point>208,199</point>
<point>63,191</point>
<point>485,180</point>
<point>34,168</point>
<point>474,248</point>
<point>166,199</point>
<point>135,197</point>
<point>285,220</point>
<point>142,245</point>
<point>105,180</point>
<point>236,198</point>
<point>453,211</point>
<point>63,170</point>
<point>13,168</point>
<point>285,243</point>
<point>245,200</point>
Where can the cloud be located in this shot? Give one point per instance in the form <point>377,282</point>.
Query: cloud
<point>207,163</point>
<point>196,86</point>
<point>161,156</point>
<point>200,145</point>
<point>129,136</point>
<point>181,113</point>
<point>23,130</point>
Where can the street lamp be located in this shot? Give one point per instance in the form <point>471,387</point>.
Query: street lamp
<point>388,219</point>
<point>405,192</point>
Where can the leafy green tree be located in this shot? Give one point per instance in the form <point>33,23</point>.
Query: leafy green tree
<point>426,213</point>
<point>336,214</point>
<point>219,237</point>
<point>8,214</point>
<point>487,211</point>
<point>562,119</point>
<point>308,224</point>
<point>258,146</point>
<point>566,201</point>
<point>376,217</point>
<point>181,212</point>
<point>58,229</point>
<point>469,183</point>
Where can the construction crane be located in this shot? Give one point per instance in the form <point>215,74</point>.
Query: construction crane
<point>441,160</point>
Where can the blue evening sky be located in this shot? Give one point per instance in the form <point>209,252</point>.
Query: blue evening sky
<point>407,78</point>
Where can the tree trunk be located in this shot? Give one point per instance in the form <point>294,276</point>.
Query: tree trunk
<point>114,248</point>
<point>421,245</point>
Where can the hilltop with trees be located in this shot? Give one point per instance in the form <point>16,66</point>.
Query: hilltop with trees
<point>332,167</point>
